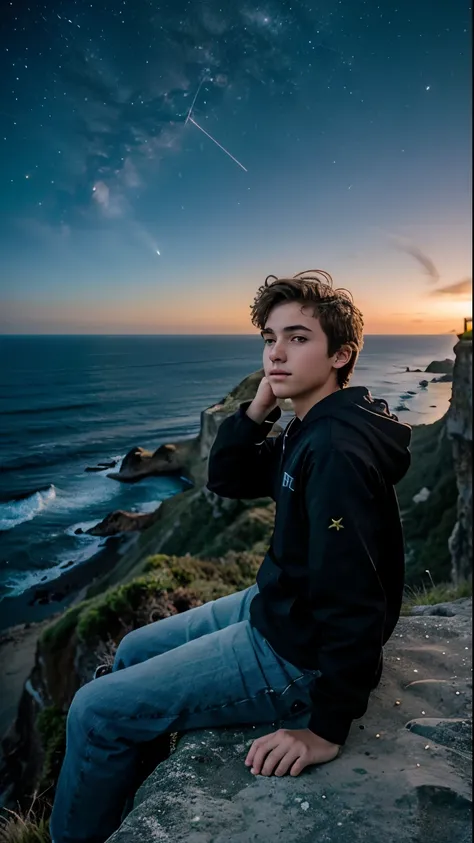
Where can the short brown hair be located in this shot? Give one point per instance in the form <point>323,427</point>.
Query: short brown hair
<point>340,319</point>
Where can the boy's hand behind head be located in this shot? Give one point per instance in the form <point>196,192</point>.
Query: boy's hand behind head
<point>264,402</point>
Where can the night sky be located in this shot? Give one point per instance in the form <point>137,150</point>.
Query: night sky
<point>349,126</point>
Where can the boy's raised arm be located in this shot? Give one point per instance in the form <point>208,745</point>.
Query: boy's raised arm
<point>242,460</point>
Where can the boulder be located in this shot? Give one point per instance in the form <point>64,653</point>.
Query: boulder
<point>139,463</point>
<point>448,378</point>
<point>123,522</point>
<point>189,457</point>
<point>440,366</point>
<point>101,466</point>
<point>461,607</point>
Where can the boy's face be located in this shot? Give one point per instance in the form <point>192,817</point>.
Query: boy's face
<point>302,352</point>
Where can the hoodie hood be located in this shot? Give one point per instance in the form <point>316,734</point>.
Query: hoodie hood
<point>355,407</point>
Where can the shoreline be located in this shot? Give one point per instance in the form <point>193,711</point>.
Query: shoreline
<point>19,610</point>
<point>19,638</point>
<point>427,406</point>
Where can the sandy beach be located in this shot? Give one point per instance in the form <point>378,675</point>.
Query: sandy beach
<point>18,640</point>
<point>17,657</point>
<point>427,405</point>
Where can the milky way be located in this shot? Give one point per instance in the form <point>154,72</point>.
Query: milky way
<point>107,86</point>
<point>321,130</point>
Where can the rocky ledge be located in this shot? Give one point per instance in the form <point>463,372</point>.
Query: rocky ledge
<point>404,775</point>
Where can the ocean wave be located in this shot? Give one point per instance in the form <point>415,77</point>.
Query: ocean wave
<point>84,525</point>
<point>64,452</point>
<point>21,581</point>
<point>15,512</point>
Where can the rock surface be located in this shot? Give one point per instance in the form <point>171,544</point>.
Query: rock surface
<point>440,367</point>
<point>186,457</point>
<point>404,775</point>
<point>189,457</point>
<point>448,378</point>
<point>459,428</point>
<point>139,463</point>
<point>122,522</point>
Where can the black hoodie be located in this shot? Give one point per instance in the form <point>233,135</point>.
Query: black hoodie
<point>331,582</point>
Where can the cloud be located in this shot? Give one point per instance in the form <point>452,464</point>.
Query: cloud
<point>459,288</point>
<point>426,262</point>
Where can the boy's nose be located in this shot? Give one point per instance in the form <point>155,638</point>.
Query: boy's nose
<point>276,354</point>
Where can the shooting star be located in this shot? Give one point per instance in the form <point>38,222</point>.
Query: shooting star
<point>207,133</point>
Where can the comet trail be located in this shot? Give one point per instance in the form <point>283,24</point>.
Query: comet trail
<point>207,133</point>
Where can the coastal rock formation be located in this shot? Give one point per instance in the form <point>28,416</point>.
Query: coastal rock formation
<point>187,457</point>
<point>139,463</point>
<point>459,427</point>
<point>428,499</point>
<point>440,367</point>
<point>122,522</point>
<point>448,378</point>
<point>101,466</point>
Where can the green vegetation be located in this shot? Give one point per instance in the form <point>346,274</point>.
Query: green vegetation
<point>51,725</point>
<point>439,593</point>
<point>428,524</point>
<point>56,636</point>
<point>237,570</point>
<point>467,335</point>
<point>180,580</point>
<point>29,827</point>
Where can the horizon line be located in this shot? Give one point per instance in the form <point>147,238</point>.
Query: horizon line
<point>256,336</point>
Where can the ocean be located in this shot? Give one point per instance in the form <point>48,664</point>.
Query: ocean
<point>67,402</point>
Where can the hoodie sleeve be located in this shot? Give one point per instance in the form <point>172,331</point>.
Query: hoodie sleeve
<point>346,597</point>
<point>242,460</point>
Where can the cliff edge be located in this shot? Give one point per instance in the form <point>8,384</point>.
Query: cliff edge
<point>459,428</point>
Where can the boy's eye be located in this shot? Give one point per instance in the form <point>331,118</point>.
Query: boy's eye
<point>269,339</point>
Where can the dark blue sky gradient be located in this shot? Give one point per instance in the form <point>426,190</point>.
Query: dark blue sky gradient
<point>352,119</point>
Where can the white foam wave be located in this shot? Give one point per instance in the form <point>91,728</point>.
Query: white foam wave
<point>13,513</point>
<point>84,525</point>
<point>21,581</point>
<point>88,490</point>
<point>146,507</point>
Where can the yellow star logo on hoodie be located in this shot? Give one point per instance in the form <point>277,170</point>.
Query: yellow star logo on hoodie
<point>336,524</point>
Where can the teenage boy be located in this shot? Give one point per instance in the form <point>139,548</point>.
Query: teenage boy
<point>304,643</point>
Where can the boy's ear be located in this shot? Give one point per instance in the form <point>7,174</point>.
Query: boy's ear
<point>342,356</point>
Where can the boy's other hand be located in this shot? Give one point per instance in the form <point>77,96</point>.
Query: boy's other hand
<point>264,402</point>
<point>289,750</point>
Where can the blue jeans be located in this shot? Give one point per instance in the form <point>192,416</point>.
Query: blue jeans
<point>204,668</point>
